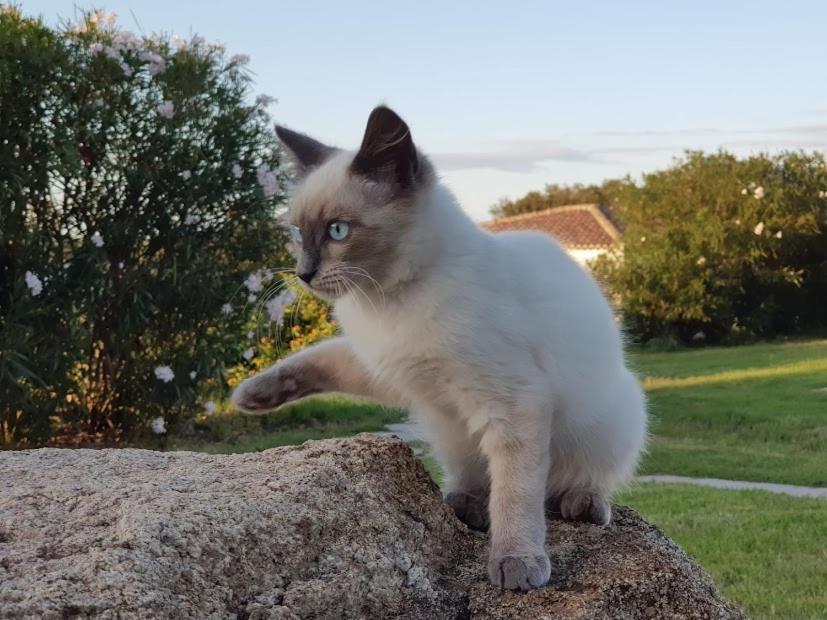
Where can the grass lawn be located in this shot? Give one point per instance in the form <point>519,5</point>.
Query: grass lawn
<point>745,413</point>
<point>766,552</point>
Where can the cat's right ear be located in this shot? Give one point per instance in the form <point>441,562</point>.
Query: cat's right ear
<point>306,152</point>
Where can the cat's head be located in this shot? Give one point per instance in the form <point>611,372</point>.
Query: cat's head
<point>352,214</point>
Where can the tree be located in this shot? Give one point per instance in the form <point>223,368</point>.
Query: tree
<point>731,248</point>
<point>554,195</point>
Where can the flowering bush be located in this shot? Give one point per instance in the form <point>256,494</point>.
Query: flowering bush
<point>717,248</point>
<point>138,189</point>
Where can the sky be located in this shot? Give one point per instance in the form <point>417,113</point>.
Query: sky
<point>508,96</point>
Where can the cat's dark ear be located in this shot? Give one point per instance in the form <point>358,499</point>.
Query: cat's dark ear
<point>307,152</point>
<point>387,152</point>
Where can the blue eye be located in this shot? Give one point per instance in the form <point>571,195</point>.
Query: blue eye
<point>338,230</point>
<point>295,234</point>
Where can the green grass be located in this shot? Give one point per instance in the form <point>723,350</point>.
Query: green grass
<point>315,418</point>
<point>767,553</point>
<point>745,413</point>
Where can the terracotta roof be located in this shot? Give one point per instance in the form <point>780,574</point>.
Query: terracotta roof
<point>574,226</point>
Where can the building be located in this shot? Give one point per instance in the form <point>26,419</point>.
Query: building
<point>585,231</point>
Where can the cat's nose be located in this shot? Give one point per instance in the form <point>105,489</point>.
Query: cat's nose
<point>308,275</point>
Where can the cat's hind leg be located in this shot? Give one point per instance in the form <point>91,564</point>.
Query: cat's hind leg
<point>464,470</point>
<point>595,447</point>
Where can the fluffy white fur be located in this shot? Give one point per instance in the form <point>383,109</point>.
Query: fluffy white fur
<point>506,349</point>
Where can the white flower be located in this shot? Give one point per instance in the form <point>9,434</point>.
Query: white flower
<point>34,283</point>
<point>779,235</point>
<point>209,407</point>
<point>237,171</point>
<point>701,261</point>
<point>250,335</point>
<point>254,282</point>
<point>822,193</point>
<point>159,426</point>
<point>699,336</point>
<point>186,175</point>
<point>251,298</point>
<point>277,305</point>
<point>268,180</point>
<point>164,373</point>
<point>192,219</point>
<point>120,265</point>
<point>97,239</point>
<point>193,375</point>
<point>759,228</point>
<point>758,193</point>
<point>239,59</point>
<point>226,309</point>
<point>98,103</point>
<point>744,192</point>
<point>166,109</point>
<point>248,354</point>
<point>642,239</point>
<point>265,100</point>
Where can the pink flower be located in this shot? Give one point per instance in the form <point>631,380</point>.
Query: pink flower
<point>166,109</point>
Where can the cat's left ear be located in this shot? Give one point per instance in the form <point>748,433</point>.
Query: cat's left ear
<point>307,152</point>
<point>387,153</point>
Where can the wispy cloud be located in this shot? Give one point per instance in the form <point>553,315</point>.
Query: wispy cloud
<point>614,147</point>
<point>513,156</point>
<point>811,130</point>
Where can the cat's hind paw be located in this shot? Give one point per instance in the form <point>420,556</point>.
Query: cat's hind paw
<point>471,509</point>
<point>581,505</point>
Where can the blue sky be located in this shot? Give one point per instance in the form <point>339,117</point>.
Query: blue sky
<point>509,96</point>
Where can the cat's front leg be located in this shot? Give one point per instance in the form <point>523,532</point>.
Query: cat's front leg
<point>517,449</point>
<point>329,366</point>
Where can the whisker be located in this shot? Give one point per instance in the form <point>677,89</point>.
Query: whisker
<point>362,272</point>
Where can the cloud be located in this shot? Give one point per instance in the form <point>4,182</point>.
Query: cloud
<point>811,130</point>
<point>512,156</point>
<point>526,156</point>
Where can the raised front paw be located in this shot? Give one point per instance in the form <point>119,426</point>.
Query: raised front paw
<point>470,508</point>
<point>266,391</point>
<point>519,571</point>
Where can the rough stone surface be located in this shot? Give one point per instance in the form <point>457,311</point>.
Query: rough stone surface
<point>348,528</point>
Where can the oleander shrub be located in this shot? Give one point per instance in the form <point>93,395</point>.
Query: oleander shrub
<point>139,189</point>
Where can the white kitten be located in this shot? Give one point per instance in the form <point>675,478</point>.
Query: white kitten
<point>501,344</point>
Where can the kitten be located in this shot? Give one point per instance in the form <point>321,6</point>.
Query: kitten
<point>501,344</point>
